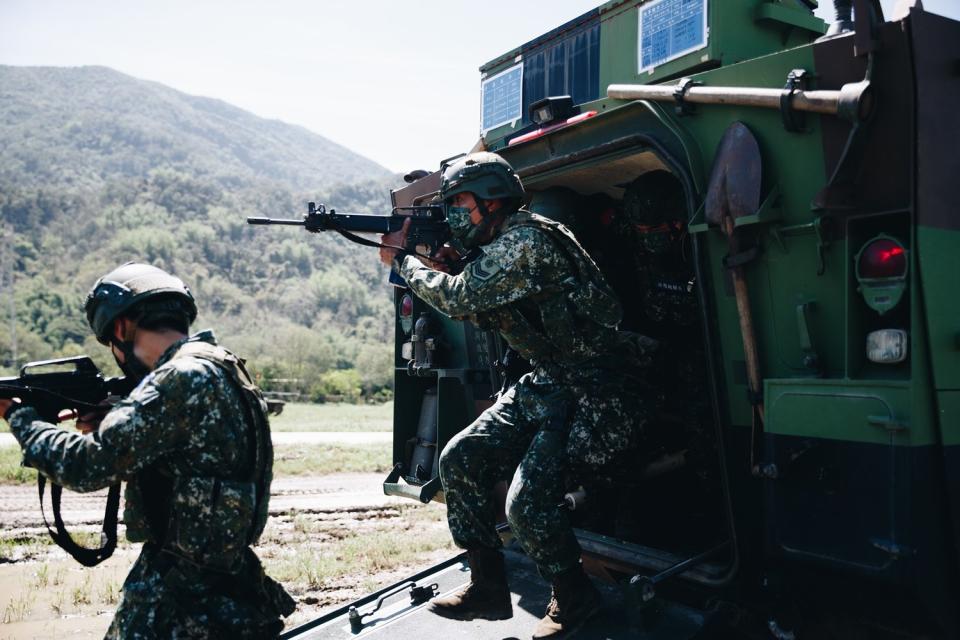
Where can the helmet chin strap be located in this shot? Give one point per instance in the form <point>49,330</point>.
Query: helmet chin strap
<point>132,366</point>
<point>488,219</point>
<point>482,207</point>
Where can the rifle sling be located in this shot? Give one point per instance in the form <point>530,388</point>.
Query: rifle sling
<point>84,555</point>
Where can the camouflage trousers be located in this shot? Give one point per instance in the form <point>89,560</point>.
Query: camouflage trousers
<point>182,603</point>
<point>533,434</point>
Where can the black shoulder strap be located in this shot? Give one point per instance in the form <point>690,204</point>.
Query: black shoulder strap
<point>86,556</point>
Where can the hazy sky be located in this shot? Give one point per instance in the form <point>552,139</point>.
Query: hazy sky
<point>394,81</point>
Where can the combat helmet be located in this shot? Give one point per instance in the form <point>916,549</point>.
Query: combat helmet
<point>149,289</point>
<point>488,177</point>
<point>653,209</point>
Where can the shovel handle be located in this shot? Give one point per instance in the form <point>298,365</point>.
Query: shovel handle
<point>746,318</point>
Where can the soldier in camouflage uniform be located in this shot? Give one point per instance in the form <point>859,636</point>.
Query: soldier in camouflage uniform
<point>193,444</point>
<point>578,409</point>
<point>653,220</point>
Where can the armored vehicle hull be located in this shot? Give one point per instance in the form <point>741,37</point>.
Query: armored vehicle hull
<point>802,474</point>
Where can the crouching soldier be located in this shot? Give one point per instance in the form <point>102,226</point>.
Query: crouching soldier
<point>530,280</point>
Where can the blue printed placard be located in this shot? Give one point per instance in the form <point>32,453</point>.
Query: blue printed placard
<point>669,29</point>
<point>502,98</point>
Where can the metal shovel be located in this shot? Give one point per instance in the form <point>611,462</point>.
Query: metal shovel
<point>734,192</point>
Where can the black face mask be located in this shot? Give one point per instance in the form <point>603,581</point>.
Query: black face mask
<point>132,366</point>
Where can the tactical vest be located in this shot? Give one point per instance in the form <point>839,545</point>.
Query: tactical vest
<point>209,521</point>
<point>567,325</point>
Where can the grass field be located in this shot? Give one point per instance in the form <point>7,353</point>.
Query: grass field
<point>289,460</point>
<point>301,416</point>
<point>323,459</point>
<point>334,417</point>
<point>324,555</point>
<point>377,542</point>
<point>10,470</point>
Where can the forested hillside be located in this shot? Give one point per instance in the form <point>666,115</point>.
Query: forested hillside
<point>81,127</point>
<point>98,168</point>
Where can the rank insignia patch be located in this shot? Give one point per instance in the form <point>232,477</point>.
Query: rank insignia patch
<point>484,269</point>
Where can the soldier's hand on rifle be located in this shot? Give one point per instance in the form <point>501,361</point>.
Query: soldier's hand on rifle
<point>444,256</point>
<point>90,421</point>
<point>394,242</point>
<point>6,404</point>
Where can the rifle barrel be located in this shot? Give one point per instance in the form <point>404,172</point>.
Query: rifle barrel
<point>355,222</point>
<point>365,223</point>
<point>428,222</point>
<point>285,221</point>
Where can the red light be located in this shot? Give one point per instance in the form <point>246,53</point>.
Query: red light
<point>887,255</point>
<point>882,258</point>
<point>406,306</point>
<point>544,130</point>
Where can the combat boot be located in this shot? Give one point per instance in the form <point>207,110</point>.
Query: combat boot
<point>574,600</point>
<point>487,596</point>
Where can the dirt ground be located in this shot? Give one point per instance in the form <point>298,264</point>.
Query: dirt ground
<point>318,527</point>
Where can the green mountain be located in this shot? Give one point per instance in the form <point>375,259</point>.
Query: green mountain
<point>98,168</point>
<point>79,127</point>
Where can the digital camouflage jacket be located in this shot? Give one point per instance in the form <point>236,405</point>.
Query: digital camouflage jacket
<point>184,443</point>
<point>539,288</point>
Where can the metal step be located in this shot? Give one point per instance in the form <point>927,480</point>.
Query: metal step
<point>398,618</point>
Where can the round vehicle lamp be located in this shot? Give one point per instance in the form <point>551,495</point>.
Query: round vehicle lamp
<point>882,272</point>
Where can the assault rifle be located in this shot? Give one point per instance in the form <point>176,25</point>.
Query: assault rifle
<point>428,226</point>
<point>77,385</point>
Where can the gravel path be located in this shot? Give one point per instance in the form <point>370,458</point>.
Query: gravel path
<point>19,508</point>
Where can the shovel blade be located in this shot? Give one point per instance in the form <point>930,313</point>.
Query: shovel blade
<point>734,188</point>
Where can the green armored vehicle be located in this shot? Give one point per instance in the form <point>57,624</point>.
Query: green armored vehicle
<point>775,204</point>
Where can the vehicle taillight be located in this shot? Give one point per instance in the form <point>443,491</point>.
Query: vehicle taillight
<point>882,258</point>
<point>881,266</point>
<point>406,312</point>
